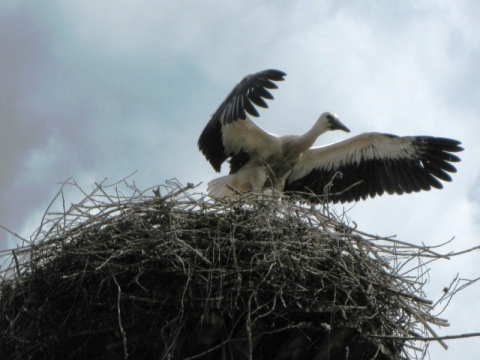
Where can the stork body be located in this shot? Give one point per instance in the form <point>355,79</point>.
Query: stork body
<point>370,164</point>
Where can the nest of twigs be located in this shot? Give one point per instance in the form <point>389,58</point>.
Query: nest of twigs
<point>179,276</point>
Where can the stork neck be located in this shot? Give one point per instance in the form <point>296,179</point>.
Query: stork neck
<point>309,138</point>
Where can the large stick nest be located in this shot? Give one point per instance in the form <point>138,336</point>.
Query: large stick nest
<point>179,276</point>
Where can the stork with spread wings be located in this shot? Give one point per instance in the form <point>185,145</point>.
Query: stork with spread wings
<point>368,164</point>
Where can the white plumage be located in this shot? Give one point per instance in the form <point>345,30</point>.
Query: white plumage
<point>369,164</point>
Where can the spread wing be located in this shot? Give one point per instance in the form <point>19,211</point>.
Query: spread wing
<point>371,164</point>
<point>230,132</point>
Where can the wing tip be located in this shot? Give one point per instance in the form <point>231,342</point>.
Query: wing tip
<point>273,74</point>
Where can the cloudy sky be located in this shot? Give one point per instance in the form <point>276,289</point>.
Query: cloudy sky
<point>100,89</point>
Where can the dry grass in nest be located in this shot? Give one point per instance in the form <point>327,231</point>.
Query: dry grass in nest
<point>179,276</point>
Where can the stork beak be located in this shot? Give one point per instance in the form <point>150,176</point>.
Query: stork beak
<point>336,124</point>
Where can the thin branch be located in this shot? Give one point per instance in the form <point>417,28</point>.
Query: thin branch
<point>120,326</point>
<point>424,338</point>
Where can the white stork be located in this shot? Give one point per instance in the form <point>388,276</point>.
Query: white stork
<point>366,165</point>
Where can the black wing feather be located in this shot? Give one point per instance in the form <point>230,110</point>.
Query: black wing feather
<point>237,161</point>
<point>430,163</point>
<point>241,101</point>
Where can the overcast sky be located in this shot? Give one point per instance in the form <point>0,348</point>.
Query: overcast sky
<point>99,89</point>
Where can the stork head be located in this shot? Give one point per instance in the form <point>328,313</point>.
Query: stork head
<point>330,121</point>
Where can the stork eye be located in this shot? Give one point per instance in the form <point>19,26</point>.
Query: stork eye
<point>330,117</point>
